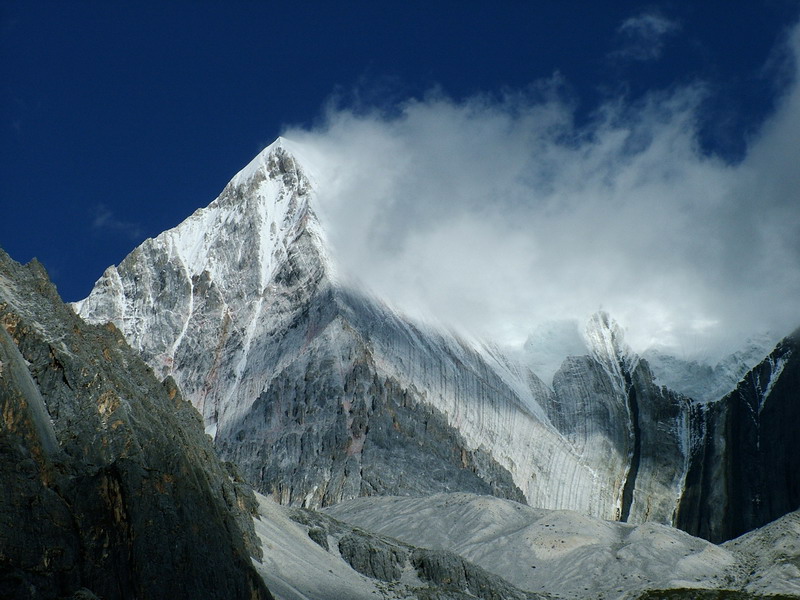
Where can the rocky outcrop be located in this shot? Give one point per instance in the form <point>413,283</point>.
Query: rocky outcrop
<point>744,469</point>
<point>109,486</point>
<point>623,425</point>
<point>423,573</point>
<point>330,440</point>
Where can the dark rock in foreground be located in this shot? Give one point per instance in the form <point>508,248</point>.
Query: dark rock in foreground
<point>109,486</point>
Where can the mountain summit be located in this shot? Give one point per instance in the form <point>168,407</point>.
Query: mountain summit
<point>200,295</point>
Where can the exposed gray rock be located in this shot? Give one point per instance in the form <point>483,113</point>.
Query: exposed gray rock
<point>331,438</point>
<point>451,572</point>
<point>373,557</point>
<point>623,425</point>
<point>109,486</point>
<point>661,424</point>
<point>319,536</point>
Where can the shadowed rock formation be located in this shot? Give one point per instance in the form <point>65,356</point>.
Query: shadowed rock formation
<point>745,471</point>
<point>109,485</point>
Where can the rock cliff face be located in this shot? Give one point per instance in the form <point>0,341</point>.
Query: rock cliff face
<point>744,472</point>
<point>110,486</point>
<point>320,392</point>
<point>627,429</point>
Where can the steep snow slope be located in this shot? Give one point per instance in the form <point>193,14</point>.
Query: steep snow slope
<point>321,393</point>
<point>704,382</point>
<point>204,285</point>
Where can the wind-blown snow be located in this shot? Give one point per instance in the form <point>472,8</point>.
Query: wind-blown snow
<point>705,382</point>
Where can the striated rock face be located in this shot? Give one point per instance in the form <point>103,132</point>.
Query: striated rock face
<point>629,431</point>
<point>744,472</point>
<point>109,486</point>
<point>320,392</point>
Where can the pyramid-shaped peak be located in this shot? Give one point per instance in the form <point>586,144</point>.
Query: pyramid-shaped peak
<point>281,157</point>
<point>217,263</point>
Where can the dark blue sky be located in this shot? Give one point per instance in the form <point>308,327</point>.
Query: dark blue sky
<point>120,119</point>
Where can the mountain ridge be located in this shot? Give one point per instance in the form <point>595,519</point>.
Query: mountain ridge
<point>295,372</point>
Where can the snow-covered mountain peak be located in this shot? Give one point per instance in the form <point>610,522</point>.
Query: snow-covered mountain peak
<point>281,156</point>
<point>221,258</point>
<point>602,338</point>
<point>320,392</point>
<point>606,341</point>
<point>549,344</point>
<point>259,213</point>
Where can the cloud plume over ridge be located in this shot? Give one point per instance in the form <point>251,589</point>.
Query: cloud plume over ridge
<point>497,214</point>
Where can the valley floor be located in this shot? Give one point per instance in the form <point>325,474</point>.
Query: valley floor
<point>384,547</point>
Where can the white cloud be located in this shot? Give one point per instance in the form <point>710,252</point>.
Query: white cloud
<point>644,36</point>
<point>105,220</point>
<point>497,214</point>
